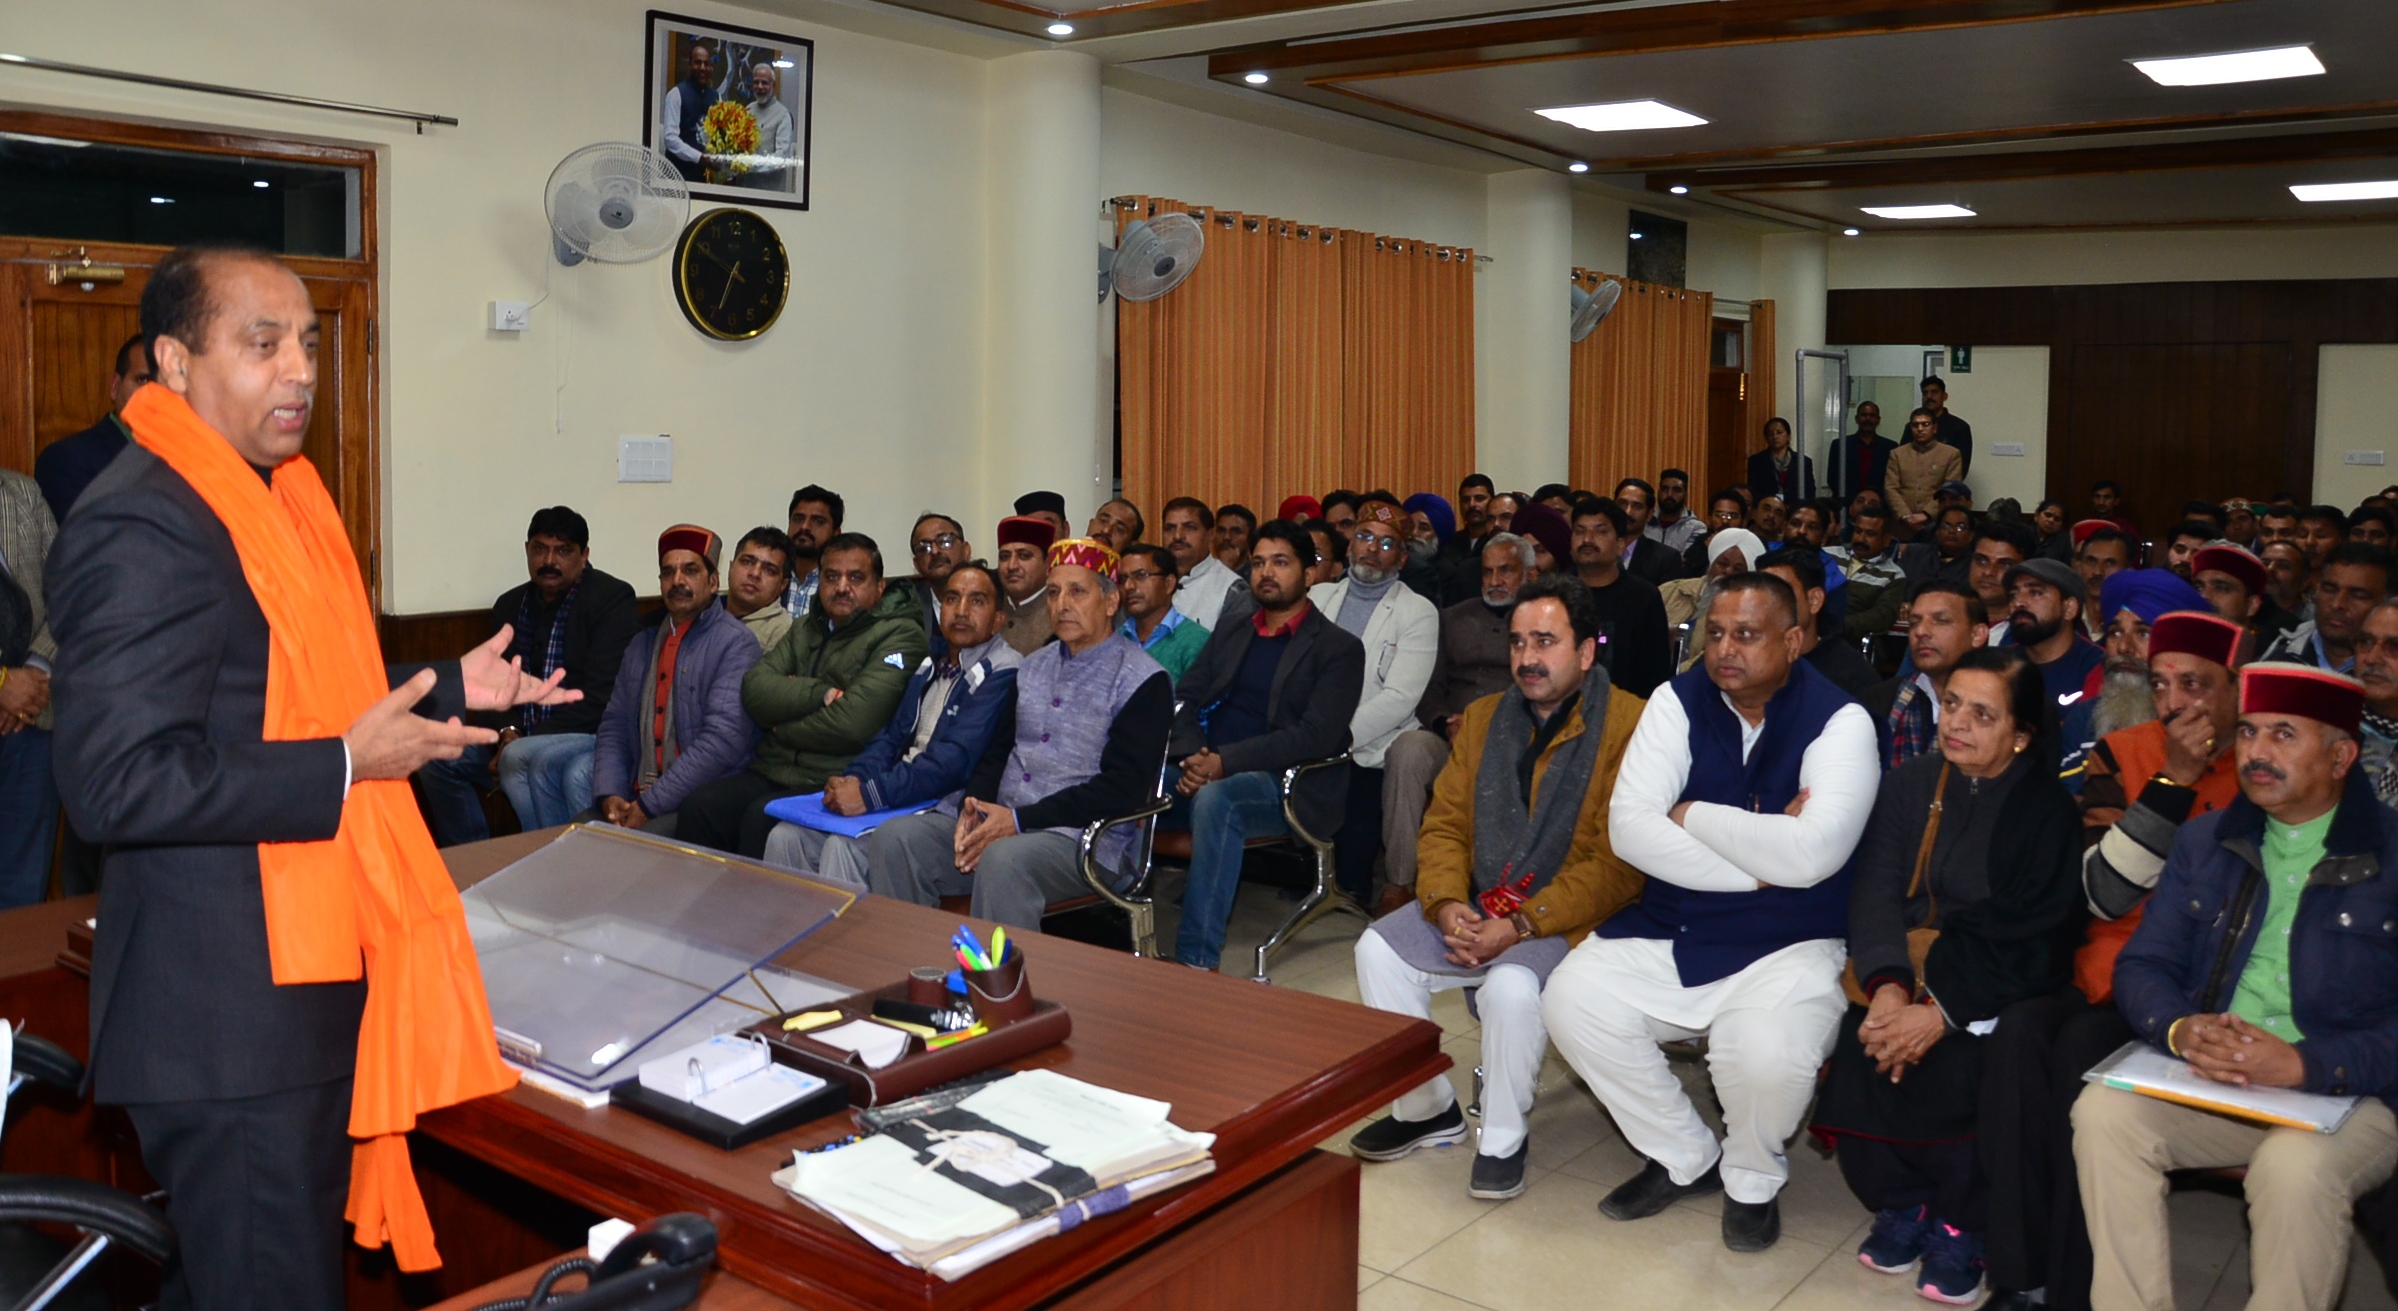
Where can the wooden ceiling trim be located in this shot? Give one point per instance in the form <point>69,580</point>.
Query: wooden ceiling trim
<point>2237,152</point>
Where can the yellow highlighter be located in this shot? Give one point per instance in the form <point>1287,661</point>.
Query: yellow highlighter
<point>810,1020</point>
<point>952,1039</point>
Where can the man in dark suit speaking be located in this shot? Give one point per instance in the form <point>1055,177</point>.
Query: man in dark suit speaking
<point>281,963</point>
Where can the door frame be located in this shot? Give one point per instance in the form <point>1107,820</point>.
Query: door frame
<point>362,445</point>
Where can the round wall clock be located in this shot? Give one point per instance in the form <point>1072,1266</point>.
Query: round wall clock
<point>731,274</point>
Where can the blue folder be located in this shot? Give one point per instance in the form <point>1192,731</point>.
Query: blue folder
<point>807,810</point>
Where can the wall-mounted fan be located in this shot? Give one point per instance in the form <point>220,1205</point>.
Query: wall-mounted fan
<point>1152,257</point>
<point>614,202</point>
<point>1592,306</point>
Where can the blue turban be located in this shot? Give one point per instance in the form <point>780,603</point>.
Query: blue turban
<point>2147,593</point>
<point>1444,519</point>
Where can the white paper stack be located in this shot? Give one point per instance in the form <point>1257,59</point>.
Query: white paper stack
<point>2139,1068</point>
<point>883,1189</point>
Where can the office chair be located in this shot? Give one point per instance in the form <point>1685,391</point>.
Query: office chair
<point>38,1272</point>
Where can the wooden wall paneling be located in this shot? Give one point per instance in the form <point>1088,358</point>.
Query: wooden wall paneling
<point>2171,422</point>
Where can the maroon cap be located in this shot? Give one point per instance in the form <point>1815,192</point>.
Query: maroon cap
<point>1036,533</point>
<point>2233,560</point>
<point>2276,687</point>
<point>2204,634</point>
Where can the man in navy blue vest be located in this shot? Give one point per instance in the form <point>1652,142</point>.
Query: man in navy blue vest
<point>687,102</point>
<point>1741,798</point>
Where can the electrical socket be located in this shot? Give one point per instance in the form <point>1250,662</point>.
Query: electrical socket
<point>511,315</point>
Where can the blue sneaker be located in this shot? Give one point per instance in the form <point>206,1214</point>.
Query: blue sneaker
<point>1897,1240</point>
<point>1953,1269</point>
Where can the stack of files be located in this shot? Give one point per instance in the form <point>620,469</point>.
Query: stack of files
<point>1022,1158</point>
<point>2139,1068</point>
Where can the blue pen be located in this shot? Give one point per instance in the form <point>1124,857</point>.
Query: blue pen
<point>968,943</point>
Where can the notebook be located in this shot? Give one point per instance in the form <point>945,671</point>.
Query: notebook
<point>2139,1068</point>
<point>807,810</point>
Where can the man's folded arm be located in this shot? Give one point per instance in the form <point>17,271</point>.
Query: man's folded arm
<point>1656,767</point>
<point>1840,776</point>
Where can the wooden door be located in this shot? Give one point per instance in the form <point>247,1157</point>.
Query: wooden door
<point>60,341</point>
<point>1727,437</point>
<point>2172,423</point>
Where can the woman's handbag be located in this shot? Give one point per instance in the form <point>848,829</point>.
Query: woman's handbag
<point>1919,941</point>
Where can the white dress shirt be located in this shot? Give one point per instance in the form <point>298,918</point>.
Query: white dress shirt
<point>1201,595</point>
<point>1720,848</point>
<point>670,126</point>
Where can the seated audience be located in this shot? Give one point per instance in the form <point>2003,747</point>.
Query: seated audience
<point>1810,526</point>
<point>675,720</point>
<point>1997,547</point>
<point>1024,542</point>
<point>2185,541</point>
<point>2377,669</point>
<point>1731,551</point>
<point>1673,526</point>
<point>1952,545</point>
<point>2106,505</point>
<point>2298,1001</point>
<point>1119,524</point>
<point>1474,493</point>
<point>1645,557</point>
<point>1401,634</point>
<point>1801,570</point>
<point>2056,535</point>
<point>937,544</point>
<point>1515,870</point>
<point>1918,468</point>
<point>28,790</point>
<point>955,721</point>
<point>2371,524</point>
<point>1779,471</point>
<point>2289,583</point>
<point>815,515</point>
<point>1472,663</point>
<point>1741,799</point>
<point>1235,525</point>
<point>1146,578</point>
<point>1556,496</point>
<point>2321,530</point>
<point>1092,713</point>
<point>1502,511</point>
<point>1728,508</point>
<point>753,590</point>
<point>2118,693</point>
<point>1633,641</point>
<point>2234,582</point>
<point>818,698</point>
<point>1877,586</point>
<point>1771,520</point>
<point>1340,508</point>
<point>66,466</point>
<point>1186,528</point>
<point>2048,600</point>
<point>2352,579</point>
<point>2240,523</point>
<point>1954,492</point>
<point>1298,508</point>
<point>1264,695</point>
<point>1430,525</point>
<point>1049,508</point>
<point>570,616</point>
<point>1945,622</point>
<point>1861,460</point>
<point>1974,846</point>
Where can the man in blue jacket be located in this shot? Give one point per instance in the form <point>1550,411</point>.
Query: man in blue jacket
<point>2268,958</point>
<point>675,720</point>
<point>955,723</point>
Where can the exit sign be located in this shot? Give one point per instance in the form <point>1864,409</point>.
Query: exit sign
<point>1960,359</point>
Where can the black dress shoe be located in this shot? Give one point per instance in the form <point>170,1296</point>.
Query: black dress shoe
<point>2011,1299</point>
<point>1653,1190</point>
<point>1752,1226</point>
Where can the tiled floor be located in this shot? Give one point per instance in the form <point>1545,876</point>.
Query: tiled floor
<point>1426,1246</point>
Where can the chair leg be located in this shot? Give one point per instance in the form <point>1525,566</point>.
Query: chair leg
<point>1144,930</point>
<point>1322,899</point>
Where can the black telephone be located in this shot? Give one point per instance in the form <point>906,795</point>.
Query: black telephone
<point>684,1248</point>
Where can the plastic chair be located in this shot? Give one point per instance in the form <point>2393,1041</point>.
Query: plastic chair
<point>37,1271</point>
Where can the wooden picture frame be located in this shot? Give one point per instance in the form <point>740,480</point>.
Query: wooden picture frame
<point>769,77</point>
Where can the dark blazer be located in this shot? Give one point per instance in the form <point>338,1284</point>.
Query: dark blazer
<point>1315,691</point>
<point>1793,486</point>
<point>1652,563</point>
<point>161,758</point>
<point>67,466</point>
<point>604,620</point>
<point>1840,463</point>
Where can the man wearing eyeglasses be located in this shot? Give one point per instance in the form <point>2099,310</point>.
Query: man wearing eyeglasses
<point>1147,578</point>
<point>938,546</point>
<point>1401,633</point>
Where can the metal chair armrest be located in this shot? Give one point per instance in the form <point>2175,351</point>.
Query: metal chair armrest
<point>1290,783</point>
<point>1086,852</point>
<point>44,1061</point>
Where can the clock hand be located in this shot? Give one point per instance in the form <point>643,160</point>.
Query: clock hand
<point>733,275</point>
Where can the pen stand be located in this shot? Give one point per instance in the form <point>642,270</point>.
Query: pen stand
<point>1000,995</point>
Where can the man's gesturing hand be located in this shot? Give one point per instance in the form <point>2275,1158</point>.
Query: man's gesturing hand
<point>389,741</point>
<point>497,681</point>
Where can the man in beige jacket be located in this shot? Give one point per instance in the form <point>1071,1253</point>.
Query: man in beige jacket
<point>1918,468</point>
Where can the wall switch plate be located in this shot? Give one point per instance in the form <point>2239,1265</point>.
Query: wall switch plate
<point>2006,448</point>
<point>511,316</point>
<point>645,459</point>
<point>2362,457</point>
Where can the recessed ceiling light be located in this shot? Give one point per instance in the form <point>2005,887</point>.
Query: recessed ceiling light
<point>1577,167</point>
<point>1255,79</point>
<point>2346,190</point>
<point>261,184</point>
<point>1061,29</point>
<point>1636,236</point>
<point>161,200</point>
<point>1849,232</point>
<point>2238,66</point>
<point>1623,116</point>
<point>1679,190</point>
<point>784,63</point>
<point>1918,211</point>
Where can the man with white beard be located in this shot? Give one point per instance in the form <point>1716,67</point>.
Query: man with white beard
<point>2130,601</point>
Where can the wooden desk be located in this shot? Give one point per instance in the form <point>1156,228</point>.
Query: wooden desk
<point>1271,1072</point>
<point>723,1292</point>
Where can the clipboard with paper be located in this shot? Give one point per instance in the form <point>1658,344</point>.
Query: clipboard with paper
<point>2139,1068</point>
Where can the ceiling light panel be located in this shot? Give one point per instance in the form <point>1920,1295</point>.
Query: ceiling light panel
<point>2315,191</point>
<point>2237,66</point>
<point>1904,212</point>
<point>1622,116</point>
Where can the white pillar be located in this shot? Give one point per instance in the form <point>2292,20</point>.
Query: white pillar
<point>1791,275</point>
<point>1042,358</point>
<point>1523,382</point>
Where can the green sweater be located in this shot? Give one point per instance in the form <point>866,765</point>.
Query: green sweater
<point>805,741</point>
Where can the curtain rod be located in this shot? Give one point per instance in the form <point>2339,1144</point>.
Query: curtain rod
<point>277,97</point>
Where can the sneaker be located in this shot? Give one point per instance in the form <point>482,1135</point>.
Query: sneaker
<point>1752,1226</point>
<point>1896,1243</point>
<point>1953,1269</point>
<point>1653,1190</point>
<point>1497,1178</point>
<point>1390,1137</point>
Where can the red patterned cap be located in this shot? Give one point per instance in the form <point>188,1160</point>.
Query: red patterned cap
<point>2205,635</point>
<point>1096,556</point>
<point>693,538</point>
<point>2275,687</point>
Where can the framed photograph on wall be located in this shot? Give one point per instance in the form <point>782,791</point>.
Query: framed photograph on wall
<point>729,106</point>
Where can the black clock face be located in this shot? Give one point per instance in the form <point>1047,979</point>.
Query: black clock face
<point>731,274</point>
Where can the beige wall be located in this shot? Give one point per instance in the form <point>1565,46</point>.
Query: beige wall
<point>871,383</point>
<point>2005,398</point>
<point>2356,392</point>
<point>2035,259</point>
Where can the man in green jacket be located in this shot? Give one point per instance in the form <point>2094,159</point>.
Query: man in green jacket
<point>818,697</point>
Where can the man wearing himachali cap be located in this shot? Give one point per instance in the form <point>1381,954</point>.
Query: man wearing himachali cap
<point>2268,958</point>
<point>1092,712</point>
<point>1024,580</point>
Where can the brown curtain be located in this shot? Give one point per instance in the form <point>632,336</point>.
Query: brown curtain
<point>1296,359</point>
<point>1640,385</point>
<point>1763,355</point>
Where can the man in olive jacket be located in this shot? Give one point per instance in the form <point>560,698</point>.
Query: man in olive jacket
<point>819,696</point>
<point>1513,868</point>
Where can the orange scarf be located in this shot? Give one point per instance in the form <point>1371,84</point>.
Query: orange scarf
<point>379,887</point>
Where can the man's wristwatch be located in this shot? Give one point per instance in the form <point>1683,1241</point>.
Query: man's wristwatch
<point>1523,926</point>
